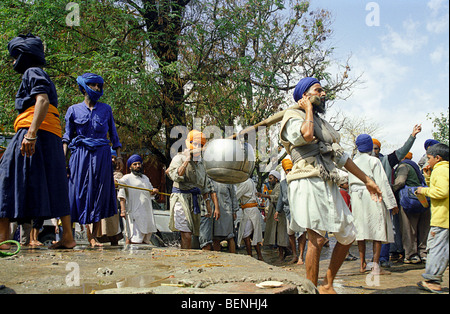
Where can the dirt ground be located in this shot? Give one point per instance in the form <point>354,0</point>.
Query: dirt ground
<point>132,269</point>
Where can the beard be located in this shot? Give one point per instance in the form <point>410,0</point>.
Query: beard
<point>137,172</point>
<point>320,108</point>
<point>318,104</point>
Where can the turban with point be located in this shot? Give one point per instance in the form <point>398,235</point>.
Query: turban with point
<point>28,51</point>
<point>303,86</point>
<point>376,142</point>
<point>286,164</point>
<point>364,143</point>
<point>90,78</point>
<point>132,159</point>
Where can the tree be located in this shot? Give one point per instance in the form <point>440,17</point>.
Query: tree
<point>227,62</point>
<point>440,133</point>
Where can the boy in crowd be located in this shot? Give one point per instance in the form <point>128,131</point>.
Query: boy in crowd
<point>438,192</point>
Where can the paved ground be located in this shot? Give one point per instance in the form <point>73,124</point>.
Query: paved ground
<point>145,269</point>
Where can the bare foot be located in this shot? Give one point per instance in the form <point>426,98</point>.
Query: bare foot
<point>362,269</point>
<point>35,243</point>
<point>300,262</point>
<point>60,245</point>
<point>5,246</point>
<point>327,290</point>
<point>95,243</point>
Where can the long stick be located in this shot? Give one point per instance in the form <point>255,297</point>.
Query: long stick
<point>138,188</point>
<point>277,117</point>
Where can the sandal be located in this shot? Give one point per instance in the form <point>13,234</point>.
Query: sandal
<point>424,286</point>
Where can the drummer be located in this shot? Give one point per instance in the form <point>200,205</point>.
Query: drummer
<point>192,190</point>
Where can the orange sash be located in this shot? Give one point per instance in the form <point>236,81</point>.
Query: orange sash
<point>248,205</point>
<point>51,122</point>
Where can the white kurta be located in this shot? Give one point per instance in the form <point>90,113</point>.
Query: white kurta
<point>314,203</point>
<point>246,193</point>
<point>138,206</point>
<point>372,219</point>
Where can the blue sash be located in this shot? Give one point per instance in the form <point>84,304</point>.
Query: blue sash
<point>88,142</point>
<point>195,193</point>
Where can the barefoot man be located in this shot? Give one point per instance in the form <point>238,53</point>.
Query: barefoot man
<point>33,181</point>
<point>314,198</point>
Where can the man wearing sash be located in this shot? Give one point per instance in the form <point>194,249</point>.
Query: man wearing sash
<point>190,199</point>
<point>92,192</point>
<point>33,181</point>
<point>250,229</point>
<point>314,198</point>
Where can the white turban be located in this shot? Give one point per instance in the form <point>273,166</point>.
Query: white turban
<point>276,174</point>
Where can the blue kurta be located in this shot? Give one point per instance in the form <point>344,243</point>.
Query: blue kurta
<point>91,186</point>
<point>34,187</point>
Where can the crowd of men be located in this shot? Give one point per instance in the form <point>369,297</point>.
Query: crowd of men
<point>303,198</point>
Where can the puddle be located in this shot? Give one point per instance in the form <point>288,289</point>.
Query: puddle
<point>140,281</point>
<point>143,281</point>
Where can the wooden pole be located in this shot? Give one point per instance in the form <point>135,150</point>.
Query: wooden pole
<point>138,188</point>
<point>277,117</point>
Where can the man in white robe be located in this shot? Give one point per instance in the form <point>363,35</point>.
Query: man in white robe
<point>314,198</point>
<point>372,220</point>
<point>135,204</point>
<point>250,229</point>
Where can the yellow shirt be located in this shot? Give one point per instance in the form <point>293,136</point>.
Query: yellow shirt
<point>438,192</point>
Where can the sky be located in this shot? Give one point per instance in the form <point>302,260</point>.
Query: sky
<point>401,48</point>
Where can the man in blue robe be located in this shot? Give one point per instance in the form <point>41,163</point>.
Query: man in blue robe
<point>91,186</point>
<point>33,181</point>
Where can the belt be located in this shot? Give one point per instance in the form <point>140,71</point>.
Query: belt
<point>248,205</point>
<point>195,192</point>
<point>51,122</point>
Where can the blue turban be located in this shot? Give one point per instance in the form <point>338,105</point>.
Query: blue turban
<point>430,142</point>
<point>364,143</point>
<point>28,51</point>
<point>90,78</point>
<point>303,86</point>
<point>133,158</point>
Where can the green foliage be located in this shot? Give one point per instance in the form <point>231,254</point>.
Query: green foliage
<point>227,62</point>
<point>440,123</point>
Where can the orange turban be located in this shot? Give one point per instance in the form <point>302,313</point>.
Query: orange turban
<point>376,142</point>
<point>286,164</point>
<point>408,155</point>
<point>195,136</point>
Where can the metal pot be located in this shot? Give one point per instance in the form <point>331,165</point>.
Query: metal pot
<point>228,161</point>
